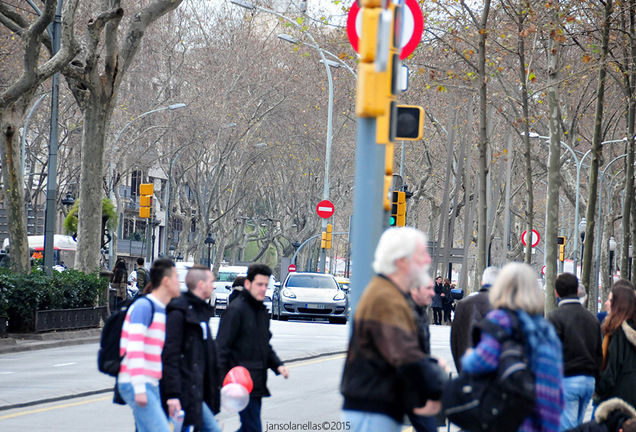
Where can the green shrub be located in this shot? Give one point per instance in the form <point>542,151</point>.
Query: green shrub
<point>21,295</point>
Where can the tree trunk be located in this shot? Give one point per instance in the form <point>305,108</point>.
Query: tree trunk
<point>527,149</point>
<point>96,118</point>
<point>592,291</point>
<point>630,86</point>
<point>482,214</point>
<point>10,120</point>
<point>554,156</point>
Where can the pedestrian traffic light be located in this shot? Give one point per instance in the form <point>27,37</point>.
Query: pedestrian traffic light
<point>146,191</point>
<point>410,122</point>
<point>561,243</point>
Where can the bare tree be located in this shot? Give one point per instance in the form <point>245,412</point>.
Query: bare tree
<point>14,102</point>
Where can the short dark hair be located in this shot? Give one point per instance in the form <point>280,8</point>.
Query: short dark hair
<point>160,268</point>
<point>258,269</point>
<point>239,281</point>
<point>140,261</point>
<point>195,274</point>
<point>566,285</point>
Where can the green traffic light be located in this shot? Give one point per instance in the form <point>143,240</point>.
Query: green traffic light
<point>392,221</point>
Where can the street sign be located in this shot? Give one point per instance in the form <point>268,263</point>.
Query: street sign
<point>543,270</point>
<point>535,238</point>
<point>325,209</point>
<point>291,268</point>
<point>412,27</point>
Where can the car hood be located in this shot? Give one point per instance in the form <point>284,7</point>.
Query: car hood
<point>314,294</point>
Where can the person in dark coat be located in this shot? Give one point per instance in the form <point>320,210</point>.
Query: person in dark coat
<point>613,415</point>
<point>191,379</point>
<point>119,282</point>
<point>618,378</point>
<point>447,301</point>
<point>243,340</point>
<point>469,312</point>
<point>436,303</point>
<point>237,287</point>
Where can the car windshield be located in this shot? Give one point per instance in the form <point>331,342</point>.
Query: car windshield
<point>311,281</point>
<point>222,289</point>
<point>225,276</point>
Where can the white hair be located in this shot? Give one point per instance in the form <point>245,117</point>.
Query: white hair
<point>396,243</point>
<point>489,276</point>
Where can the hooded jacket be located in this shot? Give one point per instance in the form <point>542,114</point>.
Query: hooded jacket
<point>619,377</point>
<point>190,361</point>
<point>609,417</point>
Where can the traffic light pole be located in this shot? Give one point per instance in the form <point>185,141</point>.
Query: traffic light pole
<point>368,211</point>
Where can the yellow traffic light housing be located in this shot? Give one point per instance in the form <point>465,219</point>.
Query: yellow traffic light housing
<point>401,209</point>
<point>410,123</point>
<point>328,237</point>
<point>145,199</point>
<point>561,243</point>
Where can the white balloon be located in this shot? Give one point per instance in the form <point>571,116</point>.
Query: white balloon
<point>234,397</point>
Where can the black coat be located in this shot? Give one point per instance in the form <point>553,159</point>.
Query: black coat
<point>243,340</point>
<point>609,417</point>
<point>619,377</point>
<point>468,313</point>
<point>190,358</point>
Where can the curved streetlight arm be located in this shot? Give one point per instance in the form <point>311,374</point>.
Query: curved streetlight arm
<point>25,129</point>
<point>172,163</point>
<point>293,260</point>
<point>291,39</point>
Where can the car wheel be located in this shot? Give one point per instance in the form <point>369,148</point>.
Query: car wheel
<point>280,316</point>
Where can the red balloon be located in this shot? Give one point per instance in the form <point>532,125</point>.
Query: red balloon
<point>239,375</point>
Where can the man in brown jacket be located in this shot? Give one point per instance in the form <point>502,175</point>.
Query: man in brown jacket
<point>387,374</point>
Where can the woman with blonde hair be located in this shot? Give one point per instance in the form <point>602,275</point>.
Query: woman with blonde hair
<point>517,298</point>
<point>618,377</point>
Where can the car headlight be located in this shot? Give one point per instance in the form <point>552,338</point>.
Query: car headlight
<point>288,293</point>
<point>339,296</point>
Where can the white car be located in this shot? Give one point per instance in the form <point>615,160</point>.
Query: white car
<point>182,270</point>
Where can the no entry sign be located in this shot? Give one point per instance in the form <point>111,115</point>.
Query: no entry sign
<point>411,32</point>
<point>291,268</point>
<point>535,238</point>
<point>325,209</point>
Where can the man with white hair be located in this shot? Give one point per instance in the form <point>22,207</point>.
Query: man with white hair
<point>386,374</point>
<point>469,312</point>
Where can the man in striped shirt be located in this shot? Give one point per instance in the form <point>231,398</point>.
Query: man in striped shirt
<point>141,344</point>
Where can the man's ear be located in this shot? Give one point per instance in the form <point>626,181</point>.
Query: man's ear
<point>556,294</point>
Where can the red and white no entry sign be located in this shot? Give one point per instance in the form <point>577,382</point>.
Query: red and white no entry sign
<point>291,268</point>
<point>325,209</point>
<point>535,238</point>
<point>412,27</point>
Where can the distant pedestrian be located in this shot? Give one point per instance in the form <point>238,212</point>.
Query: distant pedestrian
<point>516,291</point>
<point>387,374</point>
<point>142,339</point>
<point>437,304</point>
<point>237,287</point>
<point>580,334</point>
<point>119,282</point>
<point>618,378</point>
<point>468,313</point>
<point>447,301</point>
<point>243,340</point>
<point>419,300</point>
<point>190,360</point>
<point>143,278</point>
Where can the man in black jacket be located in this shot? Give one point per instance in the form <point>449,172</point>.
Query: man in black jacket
<point>243,340</point>
<point>190,361</point>
<point>580,334</point>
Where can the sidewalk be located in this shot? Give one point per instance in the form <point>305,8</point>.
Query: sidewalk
<point>20,342</point>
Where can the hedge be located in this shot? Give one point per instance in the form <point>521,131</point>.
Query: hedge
<point>22,294</point>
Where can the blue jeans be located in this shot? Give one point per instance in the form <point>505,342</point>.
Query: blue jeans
<point>251,416</point>
<point>578,391</point>
<point>209,421</point>
<point>150,418</point>
<point>361,421</point>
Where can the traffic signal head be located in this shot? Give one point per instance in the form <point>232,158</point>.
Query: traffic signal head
<point>145,199</point>
<point>410,122</point>
<point>393,221</point>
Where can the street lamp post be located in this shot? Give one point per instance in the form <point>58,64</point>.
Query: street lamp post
<point>155,224</point>
<point>582,226</point>
<point>111,252</point>
<point>612,249</point>
<point>209,241</point>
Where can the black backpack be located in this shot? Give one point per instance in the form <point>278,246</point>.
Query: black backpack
<point>499,401</point>
<point>108,358</point>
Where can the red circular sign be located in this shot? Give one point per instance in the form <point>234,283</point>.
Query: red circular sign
<point>412,27</point>
<point>325,209</point>
<point>291,268</point>
<point>535,238</point>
